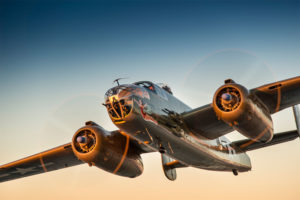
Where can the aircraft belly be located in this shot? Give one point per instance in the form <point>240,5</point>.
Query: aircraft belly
<point>185,149</point>
<point>202,157</point>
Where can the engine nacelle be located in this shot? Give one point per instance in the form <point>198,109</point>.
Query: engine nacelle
<point>110,151</point>
<point>233,104</point>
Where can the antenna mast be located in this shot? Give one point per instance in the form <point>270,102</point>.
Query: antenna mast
<point>117,81</point>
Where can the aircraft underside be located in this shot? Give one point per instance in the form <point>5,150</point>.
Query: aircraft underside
<point>189,150</point>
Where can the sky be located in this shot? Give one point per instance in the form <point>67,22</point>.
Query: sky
<point>58,58</point>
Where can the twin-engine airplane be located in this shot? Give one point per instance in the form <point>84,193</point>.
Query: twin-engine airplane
<point>151,119</point>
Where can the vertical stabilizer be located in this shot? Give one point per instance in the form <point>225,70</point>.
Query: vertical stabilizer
<point>296,111</point>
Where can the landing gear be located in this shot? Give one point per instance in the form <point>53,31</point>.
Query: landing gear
<point>162,150</point>
<point>235,172</point>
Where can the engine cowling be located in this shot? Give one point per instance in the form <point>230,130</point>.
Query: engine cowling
<point>234,105</point>
<point>108,150</point>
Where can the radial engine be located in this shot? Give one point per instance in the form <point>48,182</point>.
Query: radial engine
<point>111,151</point>
<point>234,104</point>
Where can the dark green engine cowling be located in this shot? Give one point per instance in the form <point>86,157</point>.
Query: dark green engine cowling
<point>111,151</point>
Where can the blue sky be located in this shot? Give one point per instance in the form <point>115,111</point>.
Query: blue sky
<point>55,43</point>
<point>57,59</point>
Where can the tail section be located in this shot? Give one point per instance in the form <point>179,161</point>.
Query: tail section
<point>296,111</point>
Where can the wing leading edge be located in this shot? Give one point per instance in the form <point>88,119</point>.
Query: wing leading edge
<point>50,160</point>
<point>203,121</point>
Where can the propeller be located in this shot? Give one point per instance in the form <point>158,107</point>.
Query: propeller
<point>244,67</point>
<point>85,141</point>
<point>67,117</point>
<point>81,139</point>
<point>226,97</point>
<point>202,80</point>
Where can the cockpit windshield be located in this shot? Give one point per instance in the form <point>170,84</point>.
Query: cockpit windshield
<point>121,91</point>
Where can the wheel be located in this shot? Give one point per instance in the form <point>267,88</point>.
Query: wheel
<point>235,172</point>
<point>162,150</point>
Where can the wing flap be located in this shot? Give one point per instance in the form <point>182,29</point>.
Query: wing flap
<point>50,160</point>
<point>249,145</point>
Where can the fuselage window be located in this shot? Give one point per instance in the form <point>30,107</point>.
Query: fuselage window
<point>161,93</point>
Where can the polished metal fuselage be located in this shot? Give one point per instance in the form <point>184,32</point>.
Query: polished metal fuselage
<point>152,122</point>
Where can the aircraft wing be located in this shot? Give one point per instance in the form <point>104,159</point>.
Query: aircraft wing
<point>248,145</point>
<point>279,95</point>
<point>276,96</point>
<point>203,121</point>
<point>57,158</point>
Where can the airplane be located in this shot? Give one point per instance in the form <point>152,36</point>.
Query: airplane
<point>150,119</point>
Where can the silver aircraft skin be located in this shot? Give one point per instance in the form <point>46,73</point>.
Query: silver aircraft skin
<point>150,119</point>
<point>218,154</point>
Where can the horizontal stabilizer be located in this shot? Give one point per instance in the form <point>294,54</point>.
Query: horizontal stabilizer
<point>248,144</point>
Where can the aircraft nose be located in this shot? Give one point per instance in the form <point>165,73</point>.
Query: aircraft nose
<point>226,97</point>
<point>119,101</point>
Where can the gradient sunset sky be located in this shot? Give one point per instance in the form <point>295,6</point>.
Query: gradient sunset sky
<point>58,58</point>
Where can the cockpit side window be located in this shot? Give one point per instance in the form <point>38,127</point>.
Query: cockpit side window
<point>147,85</point>
<point>161,93</point>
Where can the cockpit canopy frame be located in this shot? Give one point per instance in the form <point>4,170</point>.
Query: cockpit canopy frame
<point>151,86</point>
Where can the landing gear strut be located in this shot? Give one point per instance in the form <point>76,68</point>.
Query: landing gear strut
<point>235,172</point>
<point>162,150</point>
